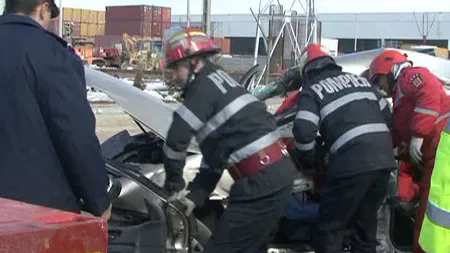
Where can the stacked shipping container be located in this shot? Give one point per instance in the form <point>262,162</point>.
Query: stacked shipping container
<point>223,43</point>
<point>85,23</point>
<point>137,20</point>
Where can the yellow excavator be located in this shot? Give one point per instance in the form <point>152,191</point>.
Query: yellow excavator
<point>141,52</point>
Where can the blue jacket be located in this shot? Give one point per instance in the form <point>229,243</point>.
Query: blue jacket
<point>49,152</point>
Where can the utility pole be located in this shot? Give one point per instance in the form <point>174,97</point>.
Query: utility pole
<point>426,28</point>
<point>206,16</point>
<point>355,47</point>
<point>270,45</point>
<point>188,19</point>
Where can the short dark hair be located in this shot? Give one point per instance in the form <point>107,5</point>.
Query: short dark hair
<point>21,6</point>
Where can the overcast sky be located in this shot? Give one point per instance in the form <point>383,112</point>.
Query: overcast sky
<point>243,6</point>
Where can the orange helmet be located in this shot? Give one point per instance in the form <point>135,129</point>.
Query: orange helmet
<point>384,62</point>
<point>185,43</point>
<point>314,56</point>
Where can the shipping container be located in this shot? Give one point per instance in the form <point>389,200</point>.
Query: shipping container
<point>107,40</point>
<point>101,17</point>
<point>157,14</point>
<point>85,16</point>
<point>67,14</point>
<point>93,17</point>
<point>132,12</point>
<point>76,15</point>
<point>156,29</point>
<point>84,30</point>
<point>76,29</point>
<point>226,45</point>
<point>130,27</point>
<point>92,29</point>
<point>166,25</point>
<point>166,15</point>
<point>100,29</point>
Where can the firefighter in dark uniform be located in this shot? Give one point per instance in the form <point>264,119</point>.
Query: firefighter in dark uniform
<point>345,109</point>
<point>234,131</point>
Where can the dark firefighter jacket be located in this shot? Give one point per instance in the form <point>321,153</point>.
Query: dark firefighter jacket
<point>49,152</point>
<point>229,124</point>
<point>348,113</point>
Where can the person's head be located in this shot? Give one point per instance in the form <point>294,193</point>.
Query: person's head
<point>42,11</point>
<point>314,59</point>
<point>185,52</point>
<point>386,67</point>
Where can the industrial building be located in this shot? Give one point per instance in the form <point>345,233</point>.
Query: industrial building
<point>367,30</point>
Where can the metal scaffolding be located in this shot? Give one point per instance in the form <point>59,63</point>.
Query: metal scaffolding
<point>295,29</point>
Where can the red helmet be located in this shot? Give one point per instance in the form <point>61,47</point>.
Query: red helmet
<point>181,44</point>
<point>314,56</point>
<point>382,64</point>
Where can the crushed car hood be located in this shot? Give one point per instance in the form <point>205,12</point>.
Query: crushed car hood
<point>157,115</point>
<point>143,107</point>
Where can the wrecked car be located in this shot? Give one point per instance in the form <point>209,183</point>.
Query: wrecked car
<point>143,221</point>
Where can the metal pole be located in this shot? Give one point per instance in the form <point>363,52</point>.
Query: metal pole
<point>188,21</point>
<point>266,76</point>
<point>356,34</point>
<point>60,19</point>
<point>206,17</point>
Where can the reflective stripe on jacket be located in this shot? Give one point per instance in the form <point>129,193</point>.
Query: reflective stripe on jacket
<point>435,233</point>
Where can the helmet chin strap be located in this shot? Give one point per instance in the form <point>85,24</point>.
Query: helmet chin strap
<point>395,72</point>
<point>191,74</point>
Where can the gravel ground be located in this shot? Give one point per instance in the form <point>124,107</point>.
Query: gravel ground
<point>111,119</point>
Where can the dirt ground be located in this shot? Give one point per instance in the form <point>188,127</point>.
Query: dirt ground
<point>111,119</point>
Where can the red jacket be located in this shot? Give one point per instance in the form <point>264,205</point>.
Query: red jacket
<point>421,109</point>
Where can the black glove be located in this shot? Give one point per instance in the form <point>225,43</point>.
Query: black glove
<point>174,184</point>
<point>290,80</point>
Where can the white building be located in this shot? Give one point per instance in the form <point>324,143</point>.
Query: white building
<point>371,30</point>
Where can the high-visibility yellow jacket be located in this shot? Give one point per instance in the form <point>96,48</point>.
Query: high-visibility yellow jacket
<point>435,232</point>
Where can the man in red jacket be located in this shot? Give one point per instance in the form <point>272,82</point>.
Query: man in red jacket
<point>421,110</point>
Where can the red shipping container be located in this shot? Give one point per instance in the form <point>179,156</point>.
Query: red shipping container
<point>131,27</point>
<point>226,45</point>
<point>156,29</point>
<point>166,25</point>
<point>132,12</point>
<point>106,40</point>
<point>30,228</point>
<point>157,14</point>
<point>166,15</point>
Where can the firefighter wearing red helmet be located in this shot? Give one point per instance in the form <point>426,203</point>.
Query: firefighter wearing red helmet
<point>351,118</point>
<point>421,109</point>
<point>234,132</point>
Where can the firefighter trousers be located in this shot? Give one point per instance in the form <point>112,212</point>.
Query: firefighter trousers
<point>350,202</point>
<point>256,204</point>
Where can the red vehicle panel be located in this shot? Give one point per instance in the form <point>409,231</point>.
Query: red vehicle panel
<point>30,228</point>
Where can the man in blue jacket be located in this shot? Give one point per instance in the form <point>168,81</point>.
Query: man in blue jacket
<point>49,152</point>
